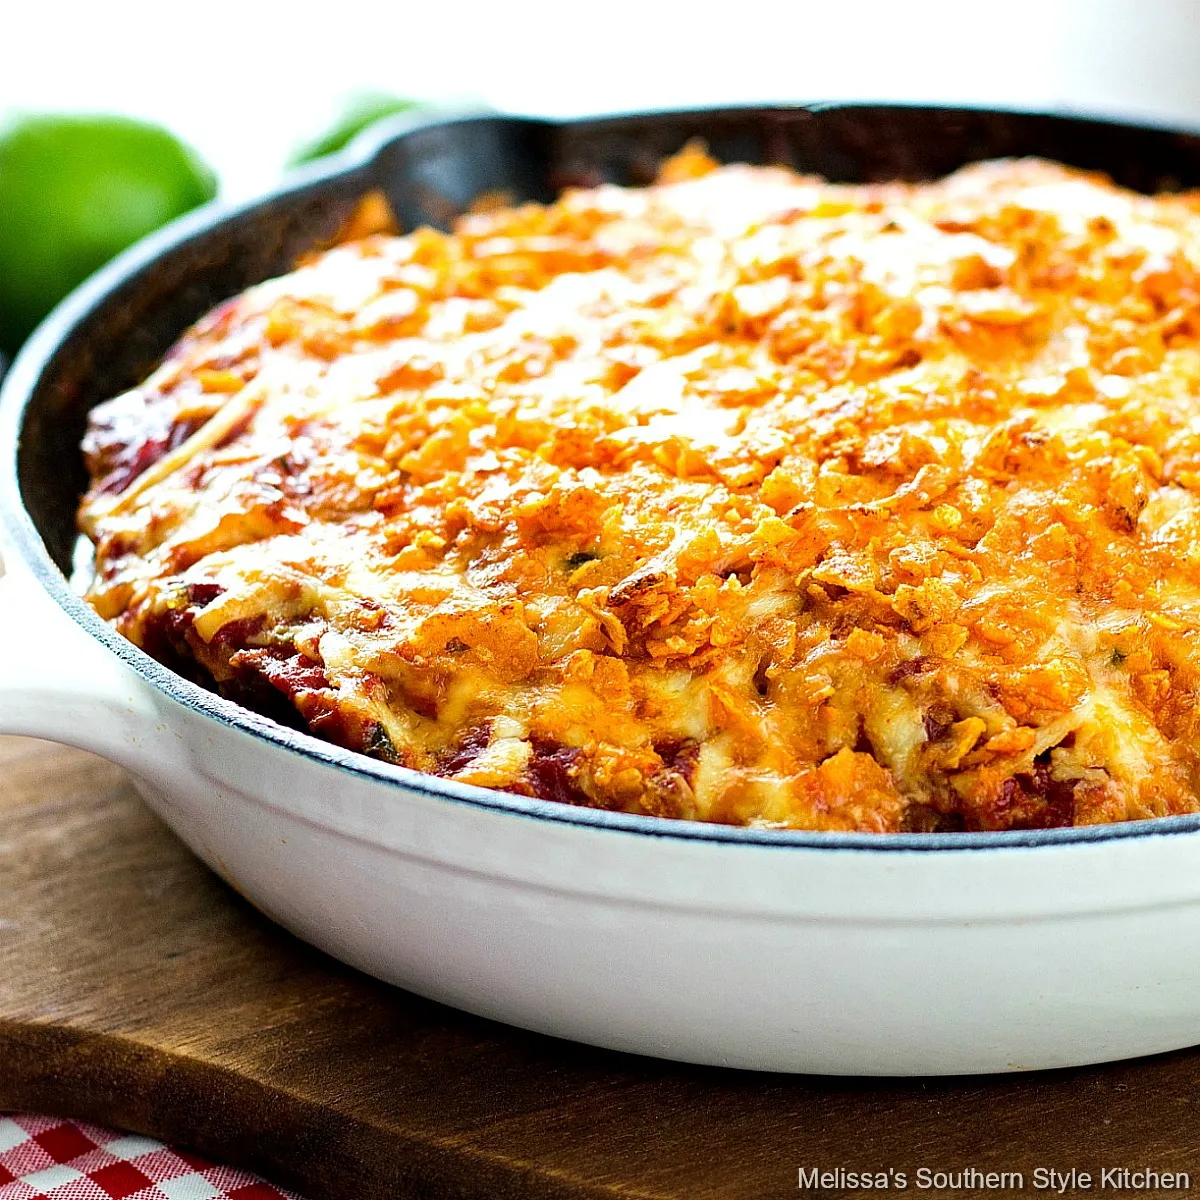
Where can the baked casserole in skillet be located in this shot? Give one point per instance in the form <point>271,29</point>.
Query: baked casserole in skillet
<point>744,497</point>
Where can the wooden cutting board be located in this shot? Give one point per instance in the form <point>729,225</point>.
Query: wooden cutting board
<point>137,990</point>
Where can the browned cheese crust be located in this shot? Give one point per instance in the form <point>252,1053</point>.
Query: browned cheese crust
<point>744,498</point>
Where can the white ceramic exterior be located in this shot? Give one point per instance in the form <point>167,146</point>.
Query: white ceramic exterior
<point>692,943</point>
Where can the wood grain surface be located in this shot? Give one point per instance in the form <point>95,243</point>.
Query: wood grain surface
<point>137,990</point>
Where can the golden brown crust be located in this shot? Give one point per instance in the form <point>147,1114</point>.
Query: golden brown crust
<point>745,498</point>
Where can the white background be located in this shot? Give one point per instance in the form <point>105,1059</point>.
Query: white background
<point>243,80</point>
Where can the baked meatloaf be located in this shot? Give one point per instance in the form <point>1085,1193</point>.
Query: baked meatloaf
<point>744,498</point>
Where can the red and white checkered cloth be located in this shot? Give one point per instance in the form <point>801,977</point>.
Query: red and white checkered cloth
<point>72,1160</point>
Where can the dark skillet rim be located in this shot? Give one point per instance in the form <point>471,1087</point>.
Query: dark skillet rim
<point>359,158</point>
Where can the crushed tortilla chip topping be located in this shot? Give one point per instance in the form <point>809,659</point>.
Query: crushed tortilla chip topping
<point>744,497</point>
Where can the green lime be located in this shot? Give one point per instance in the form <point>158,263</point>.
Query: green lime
<point>358,111</point>
<point>74,192</point>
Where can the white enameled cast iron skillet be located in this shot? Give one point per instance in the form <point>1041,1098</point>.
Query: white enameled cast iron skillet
<point>848,954</point>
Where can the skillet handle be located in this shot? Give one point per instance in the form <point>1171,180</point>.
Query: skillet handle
<point>58,683</point>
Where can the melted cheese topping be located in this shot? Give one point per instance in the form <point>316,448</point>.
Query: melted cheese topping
<point>743,497</point>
